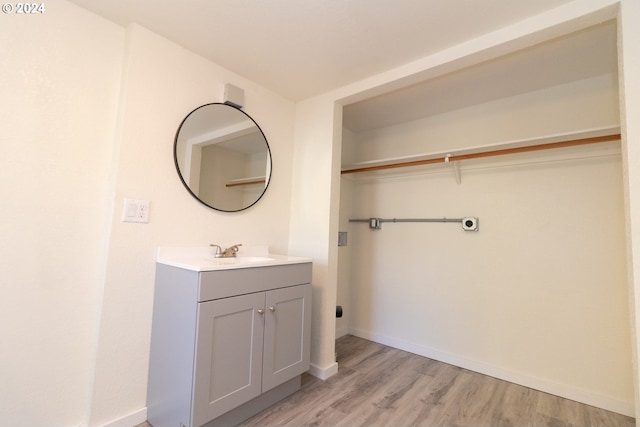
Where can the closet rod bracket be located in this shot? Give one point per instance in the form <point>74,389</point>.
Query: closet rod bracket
<point>455,167</point>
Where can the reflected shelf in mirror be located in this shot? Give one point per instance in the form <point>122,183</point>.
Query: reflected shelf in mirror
<point>256,180</point>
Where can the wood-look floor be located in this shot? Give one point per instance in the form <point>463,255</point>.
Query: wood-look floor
<point>381,386</point>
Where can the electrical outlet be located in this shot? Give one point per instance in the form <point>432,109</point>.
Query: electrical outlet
<point>342,238</point>
<point>470,224</point>
<point>135,210</point>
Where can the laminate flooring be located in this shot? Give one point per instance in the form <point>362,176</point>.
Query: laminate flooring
<point>378,385</point>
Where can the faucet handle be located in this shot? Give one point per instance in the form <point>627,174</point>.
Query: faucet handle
<point>231,251</point>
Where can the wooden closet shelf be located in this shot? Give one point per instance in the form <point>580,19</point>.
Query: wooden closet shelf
<point>245,181</point>
<point>452,157</point>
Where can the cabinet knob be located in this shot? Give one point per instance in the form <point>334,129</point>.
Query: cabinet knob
<point>272,308</point>
<point>260,311</point>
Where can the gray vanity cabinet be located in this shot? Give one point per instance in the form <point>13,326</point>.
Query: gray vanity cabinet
<point>287,324</point>
<point>229,355</point>
<point>248,345</point>
<point>238,346</point>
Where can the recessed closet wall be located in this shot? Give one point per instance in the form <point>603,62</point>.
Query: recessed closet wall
<point>538,295</point>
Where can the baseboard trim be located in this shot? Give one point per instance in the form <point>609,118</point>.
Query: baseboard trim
<point>140,416</point>
<point>544,385</point>
<point>323,373</point>
<point>131,420</point>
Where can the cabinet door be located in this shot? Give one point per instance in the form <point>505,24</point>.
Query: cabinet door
<point>228,366</point>
<point>286,335</point>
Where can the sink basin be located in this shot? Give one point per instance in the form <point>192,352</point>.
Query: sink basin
<point>200,258</point>
<point>241,260</point>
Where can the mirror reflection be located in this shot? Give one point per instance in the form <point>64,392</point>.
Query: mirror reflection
<point>222,157</point>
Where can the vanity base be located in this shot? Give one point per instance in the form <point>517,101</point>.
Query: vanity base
<point>220,353</point>
<point>260,403</point>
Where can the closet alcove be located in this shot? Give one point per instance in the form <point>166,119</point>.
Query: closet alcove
<point>538,296</point>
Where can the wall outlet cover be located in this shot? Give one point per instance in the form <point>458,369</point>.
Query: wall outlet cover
<point>135,210</point>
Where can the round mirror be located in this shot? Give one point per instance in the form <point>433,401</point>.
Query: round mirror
<point>222,157</point>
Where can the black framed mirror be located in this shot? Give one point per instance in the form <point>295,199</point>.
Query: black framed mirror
<point>222,157</point>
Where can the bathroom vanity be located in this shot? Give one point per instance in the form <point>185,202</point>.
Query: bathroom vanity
<point>230,337</point>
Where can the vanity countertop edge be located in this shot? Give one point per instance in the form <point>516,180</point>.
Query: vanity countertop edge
<point>200,258</point>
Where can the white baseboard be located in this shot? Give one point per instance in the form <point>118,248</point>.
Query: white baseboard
<point>544,385</point>
<point>131,420</point>
<point>324,373</point>
<point>140,416</point>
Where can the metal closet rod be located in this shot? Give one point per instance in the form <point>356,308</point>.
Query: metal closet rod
<point>381,220</point>
<point>468,224</point>
<point>456,157</point>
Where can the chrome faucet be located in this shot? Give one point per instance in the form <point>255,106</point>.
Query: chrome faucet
<point>218,250</point>
<point>230,252</point>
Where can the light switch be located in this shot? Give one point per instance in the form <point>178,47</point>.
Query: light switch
<point>135,210</point>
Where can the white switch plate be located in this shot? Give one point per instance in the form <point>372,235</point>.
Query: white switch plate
<point>135,210</point>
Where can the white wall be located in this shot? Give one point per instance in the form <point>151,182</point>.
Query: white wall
<point>164,83</point>
<point>314,214</point>
<point>629,68</point>
<point>344,252</point>
<point>91,111</point>
<point>537,294</point>
<point>553,110</point>
<point>224,165</point>
<point>60,83</point>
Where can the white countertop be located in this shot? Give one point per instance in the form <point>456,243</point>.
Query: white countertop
<point>201,258</point>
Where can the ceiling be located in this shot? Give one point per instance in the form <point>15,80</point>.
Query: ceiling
<point>301,48</point>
